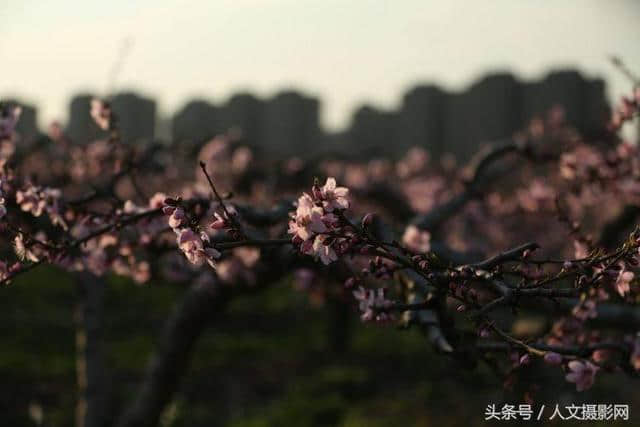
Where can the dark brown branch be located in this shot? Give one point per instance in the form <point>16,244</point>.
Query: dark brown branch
<point>514,254</point>
<point>446,210</point>
<point>182,329</point>
<point>171,359</point>
<point>573,350</point>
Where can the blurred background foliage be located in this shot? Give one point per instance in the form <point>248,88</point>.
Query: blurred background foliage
<point>273,358</point>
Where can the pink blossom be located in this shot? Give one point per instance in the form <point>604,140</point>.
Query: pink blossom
<point>96,261</point>
<point>314,220</point>
<point>219,223</point>
<point>414,161</point>
<point>308,219</point>
<point>4,270</point>
<point>585,310</point>
<point>157,201</point>
<point>582,373</point>
<point>622,282</point>
<point>30,201</point>
<point>36,200</point>
<point>416,240</point>
<point>177,218</point>
<point>323,251</point>
<point>601,355</point>
<point>581,250</point>
<point>131,208</point>
<point>334,197</point>
<point>8,120</point>
<point>228,270</point>
<point>238,267</point>
<point>241,159</point>
<point>193,248</point>
<point>247,255</point>
<point>23,252</point>
<point>372,304</point>
<point>101,113</point>
<point>552,358</point>
<point>141,272</point>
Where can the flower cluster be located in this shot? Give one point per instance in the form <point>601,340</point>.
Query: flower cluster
<point>623,280</point>
<point>373,304</point>
<point>582,373</point>
<point>22,250</point>
<point>101,113</point>
<point>316,224</point>
<point>37,200</point>
<point>416,240</point>
<point>3,208</point>
<point>626,110</point>
<point>8,120</point>
<point>177,217</point>
<point>594,173</point>
<point>226,220</point>
<point>195,246</point>
<point>192,245</point>
<point>4,271</point>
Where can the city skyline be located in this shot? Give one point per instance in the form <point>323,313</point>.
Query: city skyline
<point>492,109</point>
<point>349,54</point>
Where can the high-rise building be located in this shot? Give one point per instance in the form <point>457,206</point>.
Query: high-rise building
<point>373,131</point>
<point>136,116</point>
<point>291,124</point>
<point>81,127</point>
<point>243,114</point>
<point>197,122</point>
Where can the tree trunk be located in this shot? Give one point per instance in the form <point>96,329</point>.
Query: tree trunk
<point>92,379</point>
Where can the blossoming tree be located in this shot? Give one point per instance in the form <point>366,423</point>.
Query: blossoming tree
<point>542,222</point>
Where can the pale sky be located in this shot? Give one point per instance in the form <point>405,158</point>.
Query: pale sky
<point>346,52</point>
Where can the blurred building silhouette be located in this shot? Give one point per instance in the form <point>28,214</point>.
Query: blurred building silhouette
<point>291,124</point>
<point>136,116</point>
<point>583,100</point>
<point>421,119</point>
<point>195,123</point>
<point>80,127</point>
<point>286,124</point>
<point>373,132</point>
<point>492,108</point>
<point>27,126</point>
<point>243,114</point>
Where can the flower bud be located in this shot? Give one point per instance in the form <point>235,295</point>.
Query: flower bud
<point>367,220</point>
<point>365,250</point>
<point>317,194</point>
<point>552,358</point>
<point>218,224</point>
